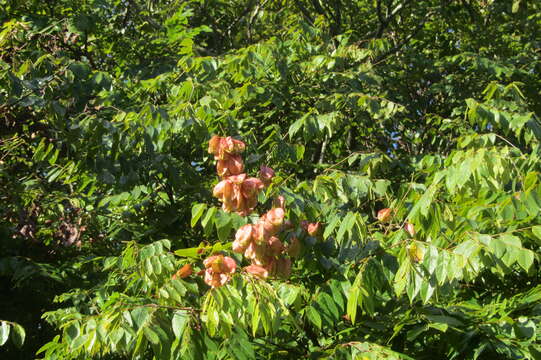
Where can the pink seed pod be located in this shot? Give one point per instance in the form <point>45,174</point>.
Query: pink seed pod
<point>244,234</point>
<point>384,215</point>
<point>257,271</point>
<point>214,145</point>
<point>313,228</point>
<point>409,228</point>
<point>275,216</point>
<point>279,202</point>
<point>275,246</point>
<point>230,165</point>
<point>266,174</point>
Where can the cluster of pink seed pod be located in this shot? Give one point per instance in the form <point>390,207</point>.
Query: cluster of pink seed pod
<point>218,269</point>
<point>258,242</point>
<point>237,192</point>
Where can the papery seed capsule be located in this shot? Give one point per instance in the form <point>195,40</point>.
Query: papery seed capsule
<point>313,228</point>
<point>251,187</point>
<point>279,202</point>
<point>275,246</point>
<point>416,252</point>
<point>220,264</point>
<point>260,234</point>
<point>410,229</point>
<point>238,200</point>
<point>257,271</point>
<point>210,278</point>
<point>230,165</point>
<point>266,174</point>
<point>223,189</point>
<point>226,146</point>
<point>244,234</point>
<point>216,265</point>
<point>238,247</point>
<point>265,261</point>
<point>229,265</point>
<point>232,146</point>
<point>214,145</point>
<point>269,229</point>
<point>184,272</point>
<point>238,146</point>
<point>275,216</point>
<point>250,252</point>
<point>237,179</point>
<point>210,260</point>
<point>250,203</point>
<point>384,215</point>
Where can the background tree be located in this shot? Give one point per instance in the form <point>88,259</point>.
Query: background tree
<point>430,109</point>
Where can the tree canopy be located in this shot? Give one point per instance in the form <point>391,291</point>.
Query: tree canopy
<point>257,179</point>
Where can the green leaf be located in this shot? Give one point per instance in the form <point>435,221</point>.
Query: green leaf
<point>313,316</point>
<point>208,220</point>
<point>440,327</point>
<point>427,289</point>
<point>352,303</point>
<point>416,331</point>
<point>140,315</point>
<point>401,277</point>
<point>140,346</point>
<point>537,231</point>
<point>442,267</point>
<point>4,332</point>
<point>151,335</point>
<point>80,70</point>
<point>156,264</point>
<point>330,227</point>
<point>380,187</point>
<point>190,252</point>
<point>148,266</point>
<point>197,211</point>
<point>507,248</point>
<point>423,204</point>
<point>267,315</point>
<point>297,125</point>
<point>223,225</point>
<point>327,302</point>
<point>167,263</point>
<point>49,345</point>
<point>179,287</point>
<point>516,6</point>
<point>345,226</point>
<point>444,319</point>
<point>79,341</point>
<point>256,317</point>
<point>525,259</point>
<point>289,293</point>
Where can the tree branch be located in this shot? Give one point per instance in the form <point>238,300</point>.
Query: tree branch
<point>305,12</point>
<point>246,11</point>
<point>384,22</point>
<point>399,46</point>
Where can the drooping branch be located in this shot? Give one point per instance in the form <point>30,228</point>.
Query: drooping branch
<point>405,41</point>
<point>260,5</point>
<point>305,12</point>
<point>384,21</point>
<point>245,12</point>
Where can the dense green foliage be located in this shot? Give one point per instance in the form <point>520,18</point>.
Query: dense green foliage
<point>429,108</point>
